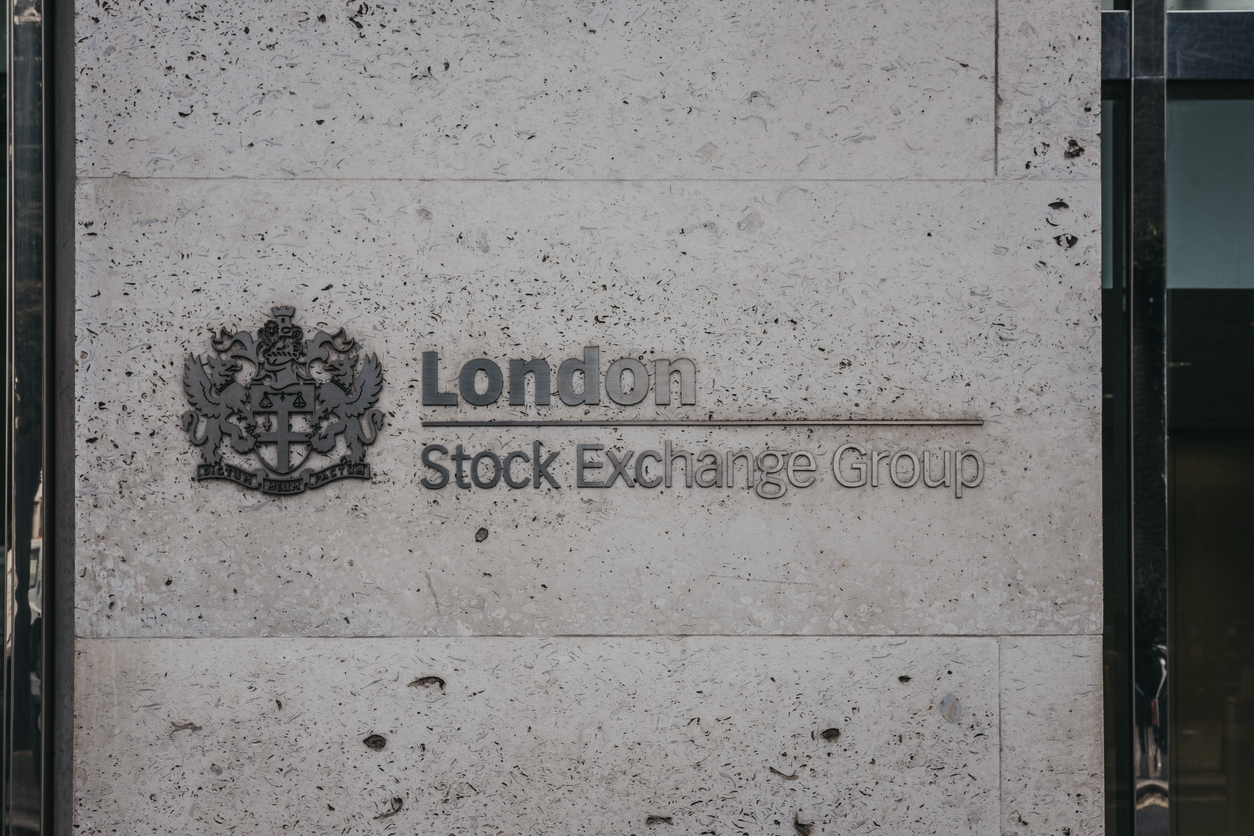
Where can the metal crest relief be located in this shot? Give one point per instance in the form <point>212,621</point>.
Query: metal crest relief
<point>283,401</point>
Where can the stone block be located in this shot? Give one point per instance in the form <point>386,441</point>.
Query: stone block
<point>1051,726</point>
<point>872,300</point>
<point>537,735</point>
<point>547,90</point>
<point>1049,89</point>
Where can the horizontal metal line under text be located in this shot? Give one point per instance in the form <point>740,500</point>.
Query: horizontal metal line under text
<point>782,422</point>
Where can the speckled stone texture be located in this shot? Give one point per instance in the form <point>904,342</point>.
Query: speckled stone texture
<point>880,300</point>
<point>1049,89</point>
<point>834,210</point>
<point>518,89</point>
<point>1051,735</point>
<point>613,736</point>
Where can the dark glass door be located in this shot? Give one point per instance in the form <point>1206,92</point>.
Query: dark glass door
<point>1210,388</point>
<point>1178,172</point>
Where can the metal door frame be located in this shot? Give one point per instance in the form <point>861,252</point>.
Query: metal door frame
<point>36,734</point>
<point>1145,51</point>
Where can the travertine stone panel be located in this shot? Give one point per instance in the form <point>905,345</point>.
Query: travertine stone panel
<point>1049,89</point>
<point>588,736</point>
<point>1051,726</point>
<point>570,90</point>
<point>796,300</point>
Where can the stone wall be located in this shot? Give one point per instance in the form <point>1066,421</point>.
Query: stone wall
<point>877,212</point>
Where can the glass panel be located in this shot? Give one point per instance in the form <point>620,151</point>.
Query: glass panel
<point>1207,5</point>
<point>1210,211</point>
<point>1114,193</point>
<point>1210,193</point>
<point>1116,638</point>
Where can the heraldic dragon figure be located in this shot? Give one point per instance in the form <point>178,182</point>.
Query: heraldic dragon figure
<point>281,397</point>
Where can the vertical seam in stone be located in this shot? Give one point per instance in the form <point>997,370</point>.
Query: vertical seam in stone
<point>1001,740</point>
<point>996,93</point>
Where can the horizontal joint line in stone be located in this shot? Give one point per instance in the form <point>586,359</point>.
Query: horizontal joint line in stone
<point>245,178</point>
<point>581,636</point>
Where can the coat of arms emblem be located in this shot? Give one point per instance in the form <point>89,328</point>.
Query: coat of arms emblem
<point>284,401</point>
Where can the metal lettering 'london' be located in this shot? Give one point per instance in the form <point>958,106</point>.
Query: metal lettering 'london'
<point>284,400</point>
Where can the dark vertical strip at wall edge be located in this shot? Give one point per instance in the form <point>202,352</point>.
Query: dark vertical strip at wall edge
<point>1147,324</point>
<point>61,114</point>
<point>27,727</point>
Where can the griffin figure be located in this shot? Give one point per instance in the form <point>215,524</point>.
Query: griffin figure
<point>351,410</point>
<point>215,398</point>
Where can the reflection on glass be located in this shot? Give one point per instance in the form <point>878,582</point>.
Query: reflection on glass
<point>23,765</point>
<point>1210,212</point>
<point>1207,5</point>
<point>1116,567</point>
<point>1212,542</point>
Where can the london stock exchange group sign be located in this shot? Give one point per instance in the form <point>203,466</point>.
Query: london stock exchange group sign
<point>307,402</point>
<point>304,410</point>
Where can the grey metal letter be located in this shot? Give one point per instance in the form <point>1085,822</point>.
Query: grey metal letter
<point>704,467</point>
<point>927,469</point>
<point>590,365</point>
<point>662,370</point>
<point>730,470</point>
<point>466,381</point>
<point>859,466</point>
<point>509,460</point>
<point>496,469</point>
<point>877,456</point>
<point>431,394</point>
<point>581,465</point>
<point>959,481</point>
<point>794,470</point>
<point>668,468</point>
<point>540,467</point>
<point>639,381</point>
<point>640,480</point>
<point>619,468</point>
<point>441,480</point>
<point>770,475</point>
<point>518,371</point>
<point>914,468</point>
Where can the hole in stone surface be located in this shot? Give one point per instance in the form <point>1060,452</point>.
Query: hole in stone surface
<point>481,535</point>
<point>375,741</point>
<point>830,735</point>
<point>397,804</point>
<point>801,827</point>
<point>424,681</point>
<point>651,820</point>
<point>903,679</point>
